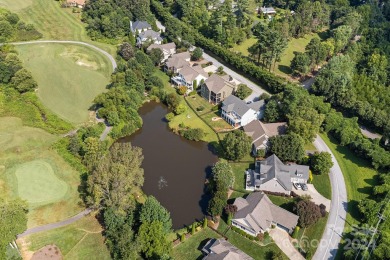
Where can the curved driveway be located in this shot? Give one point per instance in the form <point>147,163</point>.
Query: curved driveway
<point>329,244</point>
<point>109,56</point>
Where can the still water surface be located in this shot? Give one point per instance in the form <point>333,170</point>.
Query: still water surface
<point>175,168</point>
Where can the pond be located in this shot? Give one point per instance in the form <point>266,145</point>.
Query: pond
<point>175,168</point>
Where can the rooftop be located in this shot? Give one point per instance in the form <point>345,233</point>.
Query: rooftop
<point>140,25</point>
<point>233,103</point>
<point>216,83</point>
<point>167,46</point>
<point>190,73</point>
<point>220,249</point>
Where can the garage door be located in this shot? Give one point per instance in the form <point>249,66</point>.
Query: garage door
<point>283,227</point>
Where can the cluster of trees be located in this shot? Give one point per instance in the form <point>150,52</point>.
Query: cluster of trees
<point>288,147</point>
<point>120,103</point>
<point>111,19</point>
<point>13,29</point>
<point>13,221</point>
<point>131,229</point>
<point>13,74</point>
<point>321,162</point>
<point>309,213</point>
<point>237,144</point>
<point>221,180</point>
<point>270,44</point>
<point>243,91</point>
<point>193,134</point>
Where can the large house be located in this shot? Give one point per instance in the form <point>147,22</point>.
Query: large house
<point>273,175</point>
<point>237,113</point>
<point>177,61</point>
<point>188,75</point>
<point>267,10</point>
<point>167,49</point>
<point>215,89</point>
<point>139,26</point>
<point>220,249</point>
<point>256,214</point>
<point>148,36</point>
<point>260,133</point>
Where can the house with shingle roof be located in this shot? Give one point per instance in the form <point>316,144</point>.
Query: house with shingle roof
<point>167,49</point>
<point>149,36</point>
<point>220,249</point>
<point>188,75</point>
<point>238,113</point>
<point>261,132</point>
<point>75,3</point>
<point>267,10</point>
<point>215,89</point>
<point>177,61</point>
<point>139,26</point>
<point>273,175</point>
<point>256,214</point>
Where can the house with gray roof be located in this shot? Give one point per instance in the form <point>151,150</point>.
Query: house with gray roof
<point>267,10</point>
<point>220,249</point>
<point>261,132</point>
<point>273,175</point>
<point>177,61</point>
<point>238,113</point>
<point>139,26</point>
<point>215,89</point>
<point>167,49</point>
<point>148,36</point>
<point>256,214</point>
<point>188,75</point>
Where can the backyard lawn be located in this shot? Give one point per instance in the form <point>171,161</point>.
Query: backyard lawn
<point>80,240</point>
<point>191,248</point>
<point>32,171</point>
<point>358,175</point>
<point>239,170</point>
<point>196,101</point>
<point>244,46</point>
<point>69,77</point>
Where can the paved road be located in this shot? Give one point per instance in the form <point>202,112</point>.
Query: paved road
<point>257,90</point>
<point>330,240</point>
<point>55,225</point>
<point>109,56</point>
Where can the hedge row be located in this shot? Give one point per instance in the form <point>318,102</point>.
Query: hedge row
<point>271,82</point>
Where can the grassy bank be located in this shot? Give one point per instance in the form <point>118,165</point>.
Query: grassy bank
<point>80,240</point>
<point>322,185</point>
<point>358,175</point>
<point>69,77</point>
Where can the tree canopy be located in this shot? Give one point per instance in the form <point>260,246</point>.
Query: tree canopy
<point>152,211</point>
<point>288,147</point>
<point>236,144</point>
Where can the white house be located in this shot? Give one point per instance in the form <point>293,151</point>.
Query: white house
<point>273,175</point>
<point>167,49</point>
<point>237,113</point>
<point>256,214</point>
<point>188,75</point>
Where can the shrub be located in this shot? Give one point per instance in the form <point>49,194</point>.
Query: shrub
<point>323,210</point>
<point>169,116</point>
<point>260,237</point>
<point>193,134</point>
<point>309,213</point>
<point>200,108</point>
<point>266,236</point>
<point>296,231</point>
<point>192,93</point>
<point>215,108</point>
<point>193,229</point>
<point>182,90</point>
<point>243,91</point>
<point>205,223</point>
<point>182,237</point>
<point>180,109</point>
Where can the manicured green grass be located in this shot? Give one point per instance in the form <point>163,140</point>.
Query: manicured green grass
<point>310,147</point>
<point>31,170</point>
<point>165,79</point>
<point>218,125</point>
<point>38,183</point>
<point>312,236</point>
<point>245,45</point>
<point>80,240</point>
<point>322,185</point>
<point>283,67</point>
<point>239,170</point>
<point>358,175</point>
<point>283,202</point>
<point>54,22</point>
<point>69,77</point>
<point>197,101</point>
<point>191,248</point>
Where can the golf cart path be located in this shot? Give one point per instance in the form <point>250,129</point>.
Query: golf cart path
<point>55,225</point>
<point>328,246</point>
<point>109,56</point>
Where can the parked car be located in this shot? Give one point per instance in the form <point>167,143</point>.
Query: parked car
<point>304,186</point>
<point>297,186</point>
